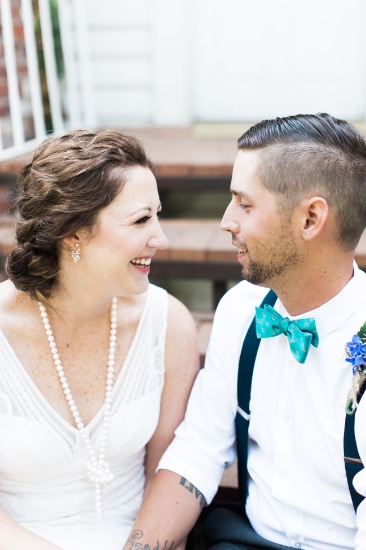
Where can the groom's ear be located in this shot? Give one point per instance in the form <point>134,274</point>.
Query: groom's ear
<point>313,215</point>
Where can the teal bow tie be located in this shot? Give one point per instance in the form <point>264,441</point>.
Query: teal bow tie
<point>300,334</point>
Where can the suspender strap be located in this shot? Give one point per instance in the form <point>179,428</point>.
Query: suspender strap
<point>245,375</point>
<point>352,460</point>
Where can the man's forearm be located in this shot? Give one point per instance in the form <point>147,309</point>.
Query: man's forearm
<point>168,513</point>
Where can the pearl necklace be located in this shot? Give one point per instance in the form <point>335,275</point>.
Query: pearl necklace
<point>97,467</point>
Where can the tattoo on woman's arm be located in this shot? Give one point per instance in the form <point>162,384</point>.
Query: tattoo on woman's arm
<point>192,489</point>
<point>133,544</point>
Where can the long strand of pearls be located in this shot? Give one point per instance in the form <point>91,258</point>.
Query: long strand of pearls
<point>97,467</point>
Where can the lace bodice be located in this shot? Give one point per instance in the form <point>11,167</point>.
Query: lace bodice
<point>43,483</point>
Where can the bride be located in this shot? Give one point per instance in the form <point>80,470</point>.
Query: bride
<point>96,364</point>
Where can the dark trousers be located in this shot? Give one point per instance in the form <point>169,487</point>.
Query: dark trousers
<point>226,530</point>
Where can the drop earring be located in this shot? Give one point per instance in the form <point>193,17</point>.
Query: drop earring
<point>75,253</point>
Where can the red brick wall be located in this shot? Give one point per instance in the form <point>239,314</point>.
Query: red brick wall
<point>23,79</point>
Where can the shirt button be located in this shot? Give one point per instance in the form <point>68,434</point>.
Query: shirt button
<point>282,471</point>
<point>287,417</point>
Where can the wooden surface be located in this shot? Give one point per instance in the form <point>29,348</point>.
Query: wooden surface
<point>196,241</point>
<point>175,152</point>
<point>202,241</point>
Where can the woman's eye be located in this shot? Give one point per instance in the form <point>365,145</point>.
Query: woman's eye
<point>144,219</point>
<point>242,205</point>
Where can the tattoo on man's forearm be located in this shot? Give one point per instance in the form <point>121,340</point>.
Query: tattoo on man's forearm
<point>192,489</point>
<point>132,543</point>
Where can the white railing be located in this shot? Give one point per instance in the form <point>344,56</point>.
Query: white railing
<point>70,101</point>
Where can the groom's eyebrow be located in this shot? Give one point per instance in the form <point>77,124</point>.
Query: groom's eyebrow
<point>240,194</point>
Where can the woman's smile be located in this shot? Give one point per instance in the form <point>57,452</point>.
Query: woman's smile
<point>142,264</point>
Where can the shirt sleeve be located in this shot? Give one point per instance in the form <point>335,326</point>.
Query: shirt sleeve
<point>204,444</point>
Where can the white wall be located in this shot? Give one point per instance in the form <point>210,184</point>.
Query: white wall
<point>119,36</point>
<point>277,57</point>
<point>174,62</point>
<point>171,55</point>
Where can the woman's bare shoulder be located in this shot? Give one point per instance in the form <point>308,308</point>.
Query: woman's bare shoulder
<point>7,294</point>
<point>14,304</point>
<point>179,316</point>
<point>182,343</point>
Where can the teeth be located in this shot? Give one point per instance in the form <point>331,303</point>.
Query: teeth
<point>141,261</point>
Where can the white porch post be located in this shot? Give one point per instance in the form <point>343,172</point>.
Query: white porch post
<point>66,14</point>
<point>50,63</point>
<point>84,66</point>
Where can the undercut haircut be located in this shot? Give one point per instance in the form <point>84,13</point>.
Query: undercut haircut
<point>314,155</point>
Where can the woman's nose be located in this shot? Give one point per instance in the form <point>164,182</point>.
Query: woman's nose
<point>159,239</point>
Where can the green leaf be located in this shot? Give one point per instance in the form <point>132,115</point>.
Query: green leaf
<point>362,332</point>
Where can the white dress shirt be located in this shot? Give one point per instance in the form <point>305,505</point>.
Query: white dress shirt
<point>298,492</point>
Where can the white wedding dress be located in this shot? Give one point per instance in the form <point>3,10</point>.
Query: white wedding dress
<point>43,482</point>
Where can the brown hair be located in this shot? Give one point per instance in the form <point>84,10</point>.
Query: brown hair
<point>70,179</point>
<point>319,154</point>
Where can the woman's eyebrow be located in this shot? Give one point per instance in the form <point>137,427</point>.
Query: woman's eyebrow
<point>141,209</point>
<point>145,208</point>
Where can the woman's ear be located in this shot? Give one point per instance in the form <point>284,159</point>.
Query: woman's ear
<point>314,215</point>
<point>71,240</point>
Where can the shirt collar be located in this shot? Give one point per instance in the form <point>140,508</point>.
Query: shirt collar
<point>336,311</point>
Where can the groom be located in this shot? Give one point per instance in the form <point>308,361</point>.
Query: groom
<point>297,212</point>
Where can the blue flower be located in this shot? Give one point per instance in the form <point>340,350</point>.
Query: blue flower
<point>356,351</point>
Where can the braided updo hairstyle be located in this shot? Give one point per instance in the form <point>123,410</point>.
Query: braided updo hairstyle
<point>70,179</point>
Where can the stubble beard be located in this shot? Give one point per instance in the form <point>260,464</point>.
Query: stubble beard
<point>275,260</point>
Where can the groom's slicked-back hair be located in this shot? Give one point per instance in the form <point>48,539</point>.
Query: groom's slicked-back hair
<point>314,155</point>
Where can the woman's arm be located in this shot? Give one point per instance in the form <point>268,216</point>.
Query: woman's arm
<point>13,536</point>
<point>181,368</point>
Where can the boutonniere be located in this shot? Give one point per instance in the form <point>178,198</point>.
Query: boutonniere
<point>356,351</point>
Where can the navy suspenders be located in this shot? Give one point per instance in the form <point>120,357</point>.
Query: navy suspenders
<point>248,355</point>
<point>245,375</point>
<point>352,459</point>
